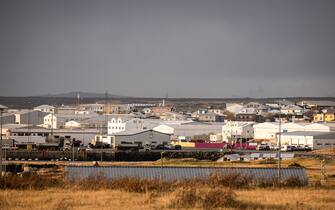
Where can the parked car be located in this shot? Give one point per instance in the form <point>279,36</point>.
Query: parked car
<point>303,148</point>
<point>286,148</point>
<point>263,146</point>
<point>274,147</point>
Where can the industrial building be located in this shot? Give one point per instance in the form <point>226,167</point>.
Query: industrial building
<point>315,140</point>
<point>146,137</point>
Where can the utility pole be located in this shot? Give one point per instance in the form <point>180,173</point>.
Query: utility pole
<point>322,168</point>
<point>0,141</point>
<point>279,145</point>
<point>2,108</point>
<point>52,128</point>
<point>161,174</point>
<point>104,131</point>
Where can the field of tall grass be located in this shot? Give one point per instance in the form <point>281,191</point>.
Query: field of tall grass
<point>217,192</point>
<point>231,191</point>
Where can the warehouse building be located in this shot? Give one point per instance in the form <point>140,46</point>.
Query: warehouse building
<point>145,137</point>
<point>315,140</point>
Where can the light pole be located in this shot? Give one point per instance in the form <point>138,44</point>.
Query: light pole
<point>2,108</point>
<point>161,174</point>
<point>279,145</point>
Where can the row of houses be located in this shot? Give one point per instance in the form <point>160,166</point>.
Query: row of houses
<point>204,124</point>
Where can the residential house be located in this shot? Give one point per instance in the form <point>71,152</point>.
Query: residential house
<point>159,110</point>
<point>65,110</point>
<point>98,108</point>
<point>45,108</point>
<point>172,116</point>
<point>234,108</point>
<point>292,110</point>
<point>317,104</point>
<point>210,117</point>
<point>326,116</point>
<point>237,130</point>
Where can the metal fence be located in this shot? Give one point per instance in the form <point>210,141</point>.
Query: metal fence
<point>178,173</point>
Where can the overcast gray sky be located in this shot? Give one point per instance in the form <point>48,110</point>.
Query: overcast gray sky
<point>188,48</point>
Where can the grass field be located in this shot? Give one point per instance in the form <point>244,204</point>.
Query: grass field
<point>101,194</point>
<point>307,198</point>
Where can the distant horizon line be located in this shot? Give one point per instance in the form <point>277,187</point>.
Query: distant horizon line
<point>155,97</point>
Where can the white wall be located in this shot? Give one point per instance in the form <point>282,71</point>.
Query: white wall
<point>72,124</point>
<point>240,129</point>
<point>116,125</point>
<point>268,131</point>
<point>297,140</point>
<point>48,121</point>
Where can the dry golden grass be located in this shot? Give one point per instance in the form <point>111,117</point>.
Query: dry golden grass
<point>307,198</point>
<point>81,197</point>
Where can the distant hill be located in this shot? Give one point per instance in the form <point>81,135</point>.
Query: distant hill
<point>82,95</point>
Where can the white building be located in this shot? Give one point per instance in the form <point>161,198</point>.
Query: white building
<point>269,130</point>
<point>235,129</point>
<point>60,121</point>
<point>99,108</point>
<point>291,110</point>
<point>50,121</point>
<point>116,125</point>
<point>234,108</point>
<point>45,108</point>
<point>315,140</point>
<point>72,124</point>
<point>215,137</point>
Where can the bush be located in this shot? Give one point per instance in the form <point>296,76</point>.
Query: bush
<point>203,198</point>
<point>268,161</point>
<point>289,182</point>
<point>219,198</point>
<point>292,182</point>
<point>231,180</point>
<point>185,197</point>
<point>126,184</point>
<point>29,182</point>
<point>295,165</point>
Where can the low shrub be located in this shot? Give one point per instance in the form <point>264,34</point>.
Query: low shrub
<point>268,161</point>
<point>295,165</point>
<point>231,180</point>
<point>293,182</point>
<point>289,182</point>
<point>126,184</point>
<point>29,182</point>
<point>219,198</point>
<point>206,198</point>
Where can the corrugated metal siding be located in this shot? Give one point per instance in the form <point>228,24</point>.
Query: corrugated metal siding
<point>177,173</point>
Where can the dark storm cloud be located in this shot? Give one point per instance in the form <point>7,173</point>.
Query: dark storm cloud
<point>211,48</point>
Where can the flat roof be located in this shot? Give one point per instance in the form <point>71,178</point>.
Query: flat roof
<point>308,133</point>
